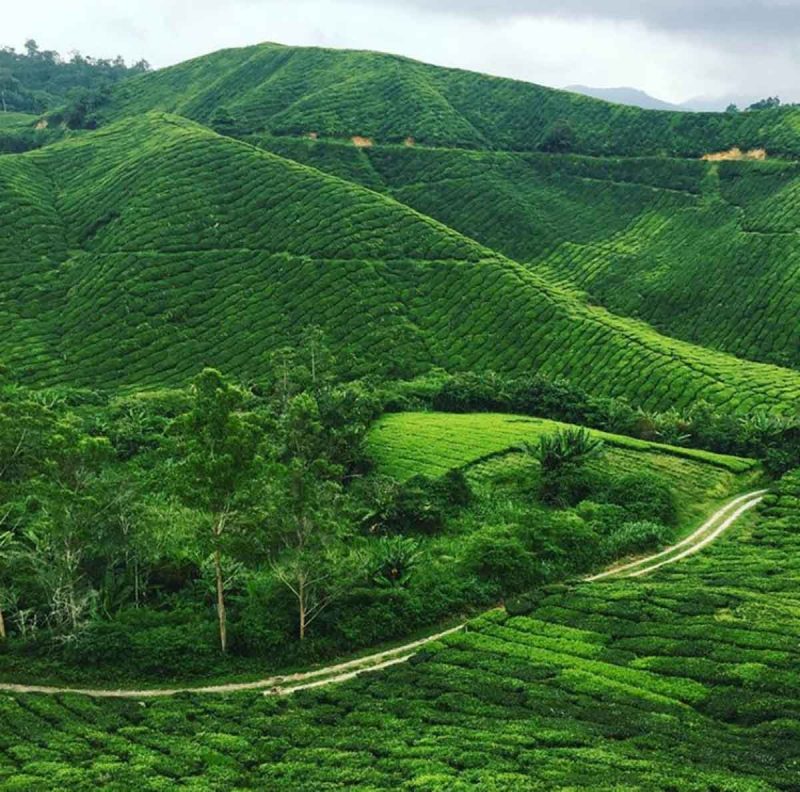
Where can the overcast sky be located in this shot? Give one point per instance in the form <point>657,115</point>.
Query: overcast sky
<point>673,49</point>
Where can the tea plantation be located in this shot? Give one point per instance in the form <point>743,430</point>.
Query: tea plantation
<point>683,681</point>
<point>689,246</point>
<point>194,249</point>
<point>307,352</point>
<point>340,94</point>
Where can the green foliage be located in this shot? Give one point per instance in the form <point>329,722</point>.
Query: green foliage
<point>631,538</point>
<point>564,448</point>
<point>559,138</point>
<point>339,94</point>
<point>499,556</point>
<point>770,103</point>
<point>38,80</point>
<point>394,560</point>
<point>645,495</point>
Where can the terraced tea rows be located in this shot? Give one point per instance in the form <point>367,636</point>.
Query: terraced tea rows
<point>154,247</point>
<point>431,443</point>
<point>704,252</point>
<point>681,681</point>
<point>340,94</point>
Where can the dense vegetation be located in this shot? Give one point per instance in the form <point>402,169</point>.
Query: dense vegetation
<point>389,99</point>
<point>226,253</point>
<point>37,80</point>
<point>406,276</point>
<point>141,534</point>
<point>687,681</point>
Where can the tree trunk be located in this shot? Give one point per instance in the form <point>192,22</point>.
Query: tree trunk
<point>2,626</point>
<point>302,600</point>
<point>223,633</point>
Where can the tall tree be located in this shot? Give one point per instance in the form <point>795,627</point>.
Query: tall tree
<point>5,542</point>
<point>219,444</point>
<point>310,522</point>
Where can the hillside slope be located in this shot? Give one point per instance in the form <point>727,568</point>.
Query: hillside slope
<point>683,680</point>
<point>137,254</point>
<point>707,252</point>
<point>342,93</point>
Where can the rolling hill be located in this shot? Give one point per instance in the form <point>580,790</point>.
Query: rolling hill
<point>137,254</point>
<point>462,242</point>
<point>340,94</point>
<point>703,251</point>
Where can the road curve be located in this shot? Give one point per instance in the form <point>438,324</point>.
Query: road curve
<point>286,684</point>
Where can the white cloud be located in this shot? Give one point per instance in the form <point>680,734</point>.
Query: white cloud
<point>670,49</point>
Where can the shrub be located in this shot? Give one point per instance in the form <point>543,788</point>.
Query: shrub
<point>644,497</point>
<point>634,537</point>
<point>394,559</point>
<point>499,556</point>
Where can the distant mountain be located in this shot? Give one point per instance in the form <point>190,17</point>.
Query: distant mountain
<point>636,98</point>
<point>626,96</point>
<point>719,103</point>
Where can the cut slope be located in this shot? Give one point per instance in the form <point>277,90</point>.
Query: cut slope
<point>298,90</point>
<point>170,247</point>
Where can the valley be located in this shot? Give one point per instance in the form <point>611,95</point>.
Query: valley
<point>370,424</point>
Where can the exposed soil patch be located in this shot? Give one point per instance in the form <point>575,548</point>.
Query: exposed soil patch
<point>736,153</point>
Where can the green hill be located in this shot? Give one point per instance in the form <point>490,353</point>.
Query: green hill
<point>339,94</point>
<point>139,253</point>
<point>706,252</point>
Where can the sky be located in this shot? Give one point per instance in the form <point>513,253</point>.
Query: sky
<point>673,49</point>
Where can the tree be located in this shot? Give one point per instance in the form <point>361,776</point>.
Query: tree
<point>562,456</point>
<point>220,463</point>
<point>566,447</point>
<point>5,542</point>
<point>8,85</point>
<point>309,519</point>
<point>731,108</point>
<point>559,138</point>
<point>770,103</point>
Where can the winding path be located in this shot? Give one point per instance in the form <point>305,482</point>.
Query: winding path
<point>286,684</point>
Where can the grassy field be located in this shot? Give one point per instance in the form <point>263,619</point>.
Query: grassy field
<point>686,680</point>
<point>485,446</point>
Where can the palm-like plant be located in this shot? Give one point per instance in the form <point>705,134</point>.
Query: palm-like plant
<point>395,559</point>
<point>566,447</point>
